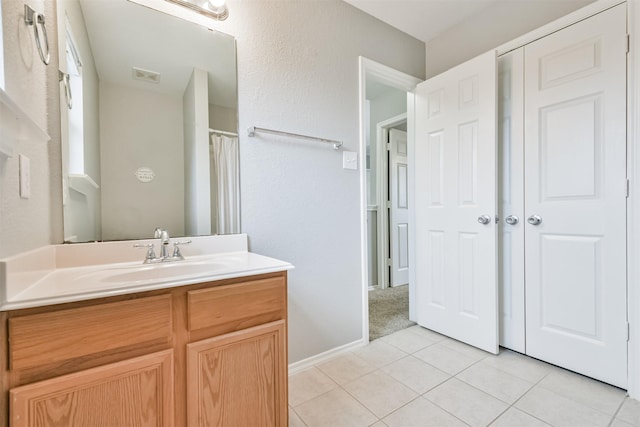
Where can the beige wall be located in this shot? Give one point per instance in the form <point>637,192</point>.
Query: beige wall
<point>222,118</point>
<point>140,129</point>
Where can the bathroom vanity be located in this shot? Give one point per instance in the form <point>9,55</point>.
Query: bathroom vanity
<point>206,349</point>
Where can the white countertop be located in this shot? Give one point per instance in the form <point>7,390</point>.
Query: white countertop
<point>33,279</point>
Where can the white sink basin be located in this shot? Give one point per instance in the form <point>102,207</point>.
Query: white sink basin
<point>155,272</point>
<point>138,273</point>
<point>57,274</point>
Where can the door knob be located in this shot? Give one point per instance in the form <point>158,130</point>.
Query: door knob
<point>534,220</point>
<point>512,220</point>
<point>484,219</point>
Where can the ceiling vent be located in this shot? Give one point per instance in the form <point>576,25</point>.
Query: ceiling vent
<point>146,75</point>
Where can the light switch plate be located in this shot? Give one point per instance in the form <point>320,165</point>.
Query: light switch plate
<point>25,176</point>
<point>350,160</point>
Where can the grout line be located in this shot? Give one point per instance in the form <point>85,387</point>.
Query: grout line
<point>513,405</point>
<point>615,414</point>
<point>435,404</point>
<point>362,403</point>
<point>419,396</point>
<point>297,414</point>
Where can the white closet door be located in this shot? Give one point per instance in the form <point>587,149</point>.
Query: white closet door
<point>511,203</point>
<point>455,185</point>
<point>576,185</point>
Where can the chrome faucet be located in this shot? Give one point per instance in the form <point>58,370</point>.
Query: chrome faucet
<point>163,235</point>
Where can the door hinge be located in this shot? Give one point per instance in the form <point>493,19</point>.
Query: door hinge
<point>388,262</point>
<point>388,204</point>
<point>628,331</point>
<point>388,146</point>
<point>628,43</point>
<point>628,188</point>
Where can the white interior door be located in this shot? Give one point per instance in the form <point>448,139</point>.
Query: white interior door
<point>511,199</point>
<point>575,196</point>
<point>455,187</point>
<point>399,210</point>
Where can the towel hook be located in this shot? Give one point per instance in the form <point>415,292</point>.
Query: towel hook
<point>65,79</point>
<point>31,17</point>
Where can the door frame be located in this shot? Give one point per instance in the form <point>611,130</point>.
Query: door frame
<point>382,195</point>
<point>368,68</point>
<point>633,202</point>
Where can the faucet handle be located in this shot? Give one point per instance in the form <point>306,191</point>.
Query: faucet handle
<point>157,233</point>
<point>151,254</point>
<point>176,248</point>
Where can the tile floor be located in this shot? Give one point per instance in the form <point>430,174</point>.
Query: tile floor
<point>416,377</point>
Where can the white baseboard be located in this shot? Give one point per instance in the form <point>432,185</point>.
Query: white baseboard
<point>301,365</point>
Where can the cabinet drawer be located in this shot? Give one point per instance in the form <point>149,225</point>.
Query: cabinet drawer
<point>62,335</point>
<point>233,307</point>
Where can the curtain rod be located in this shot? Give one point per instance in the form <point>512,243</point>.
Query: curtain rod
<point>222,132</point>
<point>252,132</point>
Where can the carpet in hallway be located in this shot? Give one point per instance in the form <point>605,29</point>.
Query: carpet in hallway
<point>388,311</point>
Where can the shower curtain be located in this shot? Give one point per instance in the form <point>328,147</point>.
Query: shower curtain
<point>226,186</point>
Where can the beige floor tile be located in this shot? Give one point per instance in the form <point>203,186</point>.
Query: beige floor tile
<point>600,396</point>
<point>517,364</point>
<point>308,384</point>
<point>516,418</point>
<point>294,419</point>
<point>416,374</point>
<point>345,368</point>
<point>335,408</point>
<point>422,413</point>
<point>380,393</point>
<point>497,383</point>
<point>444,358</point>
<point>560,411</point>
<point>467,403</point>
<point>379,353</point>
<point>379,424</point>
<point>619,423</point>
<point>417,329</point>
<point>408,341</point>
<point>630,412</point>
<point>467,350</point>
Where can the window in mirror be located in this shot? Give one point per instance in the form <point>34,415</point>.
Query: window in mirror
<point>73,96</point>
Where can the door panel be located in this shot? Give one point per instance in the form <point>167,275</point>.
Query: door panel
<point>239,379</point>
<point>399,212</point>
<point>456,289</point>
<point>576,183</point>
<point>134,392</point>
<point>511,191</point>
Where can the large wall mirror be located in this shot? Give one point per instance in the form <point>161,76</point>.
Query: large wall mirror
<point>149,123</point>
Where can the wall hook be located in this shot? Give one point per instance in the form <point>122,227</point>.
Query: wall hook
<point>31,17</point>
<point>66,81</point>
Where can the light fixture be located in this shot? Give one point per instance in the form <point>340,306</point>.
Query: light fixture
<point>216,9</point>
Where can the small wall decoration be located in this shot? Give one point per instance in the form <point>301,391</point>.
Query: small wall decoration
<point>145,174</point>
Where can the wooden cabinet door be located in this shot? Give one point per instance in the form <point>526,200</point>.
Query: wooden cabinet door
<point>135,392</point>
<point>239,379</point>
